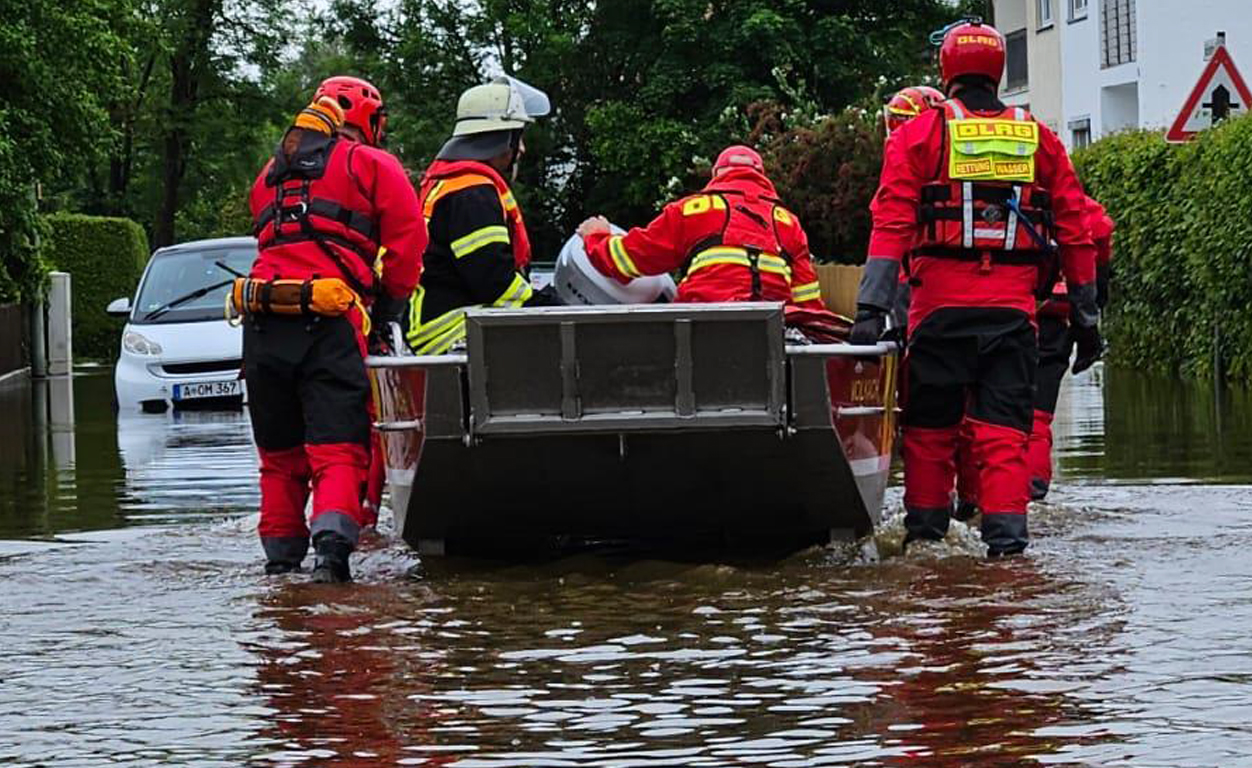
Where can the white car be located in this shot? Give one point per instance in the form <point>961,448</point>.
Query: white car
<point>178,349</point>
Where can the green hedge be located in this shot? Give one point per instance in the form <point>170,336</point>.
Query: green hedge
<point>105,258</point>
<point>1183,247</point>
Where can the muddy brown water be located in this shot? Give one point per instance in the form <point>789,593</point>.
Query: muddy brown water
<point>137,629</point>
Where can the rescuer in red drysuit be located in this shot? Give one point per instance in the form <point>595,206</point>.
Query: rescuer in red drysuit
<point>733,239</point>
<point>1055,347</point>
<point>905,105</point>
<point>330,204</point>
<point>973,195</point>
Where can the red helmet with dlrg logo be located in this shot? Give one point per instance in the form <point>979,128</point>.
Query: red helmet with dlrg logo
<point>908,103</point>
<point>971,48</point>
<point>361,102</point>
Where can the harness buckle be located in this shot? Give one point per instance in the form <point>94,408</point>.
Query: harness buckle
<point>295,212</point>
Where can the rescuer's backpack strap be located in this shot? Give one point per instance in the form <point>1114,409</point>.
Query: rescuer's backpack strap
<point>290,218</point>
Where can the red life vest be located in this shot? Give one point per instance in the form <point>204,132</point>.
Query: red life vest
<point>316,199</point>
<point>978,216</point>
<point>444,177</point>
<point>748,237</point>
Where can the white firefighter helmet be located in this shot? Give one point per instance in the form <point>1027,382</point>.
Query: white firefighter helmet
<point>504,104</point>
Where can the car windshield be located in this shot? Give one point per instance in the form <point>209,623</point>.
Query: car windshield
<point>175,274</point>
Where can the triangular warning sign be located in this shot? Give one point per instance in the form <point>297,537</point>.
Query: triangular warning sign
<point>1219,94</point>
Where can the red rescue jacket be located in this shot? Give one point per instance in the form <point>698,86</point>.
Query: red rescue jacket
<point>966,246</point>
<point>733,240</point>
<point>331,210</point>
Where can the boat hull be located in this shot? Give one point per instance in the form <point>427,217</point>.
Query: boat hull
<point>801,456</point>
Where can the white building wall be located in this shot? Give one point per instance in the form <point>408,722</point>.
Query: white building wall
<point>1149,92</point>
<point>1080,65</point>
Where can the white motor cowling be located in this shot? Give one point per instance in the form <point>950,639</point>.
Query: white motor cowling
<point>578,282</point>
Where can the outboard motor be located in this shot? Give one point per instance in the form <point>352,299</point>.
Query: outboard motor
<point>578,282</point>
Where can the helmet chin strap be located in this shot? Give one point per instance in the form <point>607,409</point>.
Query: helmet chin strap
<point>515,144</point>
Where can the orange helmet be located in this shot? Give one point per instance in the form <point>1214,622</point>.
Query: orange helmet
<point>738,156</point>
<point>908,103</point>
<point>971,48</point>
<point>361,102</point>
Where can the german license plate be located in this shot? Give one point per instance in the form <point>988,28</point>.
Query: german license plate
<point>200,389</point>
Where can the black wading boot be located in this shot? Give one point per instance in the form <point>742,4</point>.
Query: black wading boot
<point>283,554</point>
<point>1004,534</point>
<point>925,524</point>
<point>965,510</point>
<point>330,561</point>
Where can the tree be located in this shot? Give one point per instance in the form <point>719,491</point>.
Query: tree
<point>57,63</point>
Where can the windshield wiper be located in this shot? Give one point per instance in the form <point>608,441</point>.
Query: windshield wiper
<point>229,269</point>
<point>167,306</point>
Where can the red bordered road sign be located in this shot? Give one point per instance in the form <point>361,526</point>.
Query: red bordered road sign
<point>1220,93</point>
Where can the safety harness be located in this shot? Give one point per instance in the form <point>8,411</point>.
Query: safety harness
<point>302,212</point>
<point>989,209</point>
<point>750,228</point>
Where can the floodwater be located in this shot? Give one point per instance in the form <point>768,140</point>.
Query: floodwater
<point>137,628</point>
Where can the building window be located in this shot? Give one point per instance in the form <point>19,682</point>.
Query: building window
<point>1077,10</point>
<point>1045,13</point>
<point>1080,132</point>
<point>1118,36</point>
<point>1016,75</point>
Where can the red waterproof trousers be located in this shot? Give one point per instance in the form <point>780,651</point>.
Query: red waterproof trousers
<point>968,369</point>
<point>308,397</point>
<point>1055,347</point>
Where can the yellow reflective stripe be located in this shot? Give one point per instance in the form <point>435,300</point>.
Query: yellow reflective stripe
<point>621,259</point>
<point>770,263</point>
<point>415,313</point>
<point>806,292</point>
<point>766,262</point>
<point>508,201</point>
<point>517,294</point>
<point>443,341</point>
<point>495,233</point>
<point>421,333</point>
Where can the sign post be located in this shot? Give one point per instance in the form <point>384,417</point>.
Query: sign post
<point>1220,93</point>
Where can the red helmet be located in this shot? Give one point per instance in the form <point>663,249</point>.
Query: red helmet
<point>738,156</point>
<point>362,105</point>
<point>972,48</point>
<point>908,103</point>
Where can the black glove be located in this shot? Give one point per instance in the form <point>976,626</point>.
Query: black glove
<point>1103,275</point>
<point>545,297</point>
<point>1090,346</point>
<point>385,310</point>
<point>870,324</point>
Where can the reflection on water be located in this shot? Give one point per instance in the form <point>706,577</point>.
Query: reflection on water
<point>1122,640</point>
<point>67,463</point>
<point>1126,426</point>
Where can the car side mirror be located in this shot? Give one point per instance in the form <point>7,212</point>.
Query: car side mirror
<point>119,307</point>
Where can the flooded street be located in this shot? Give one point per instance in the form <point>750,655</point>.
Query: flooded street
<point>139,631</point>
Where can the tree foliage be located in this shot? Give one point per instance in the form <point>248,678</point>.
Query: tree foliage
<point>1182,258</point>
<point>56,61</point>
<point>164,110</point>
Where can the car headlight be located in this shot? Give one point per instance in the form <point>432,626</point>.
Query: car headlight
<point>138,344</point>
